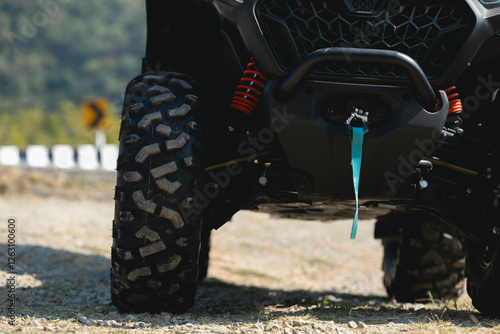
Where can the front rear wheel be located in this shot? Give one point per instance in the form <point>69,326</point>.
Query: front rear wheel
<point>157,228</point>
<point>483,277</point>
<point>427,261</point>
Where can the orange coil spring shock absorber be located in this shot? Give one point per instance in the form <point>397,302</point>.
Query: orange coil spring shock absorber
<point>250,90</point>
<point>455,101</point>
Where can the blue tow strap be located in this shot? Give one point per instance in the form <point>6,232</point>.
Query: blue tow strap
<point>357,152</point>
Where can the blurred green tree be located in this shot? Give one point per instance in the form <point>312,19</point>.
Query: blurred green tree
<point>54,54</point>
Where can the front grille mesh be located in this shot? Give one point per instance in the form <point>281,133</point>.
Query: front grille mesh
<point>429,31</point>
<point>362,5</point>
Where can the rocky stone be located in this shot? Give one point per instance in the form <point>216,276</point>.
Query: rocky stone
<point>352,324</point>
<point>299,323</point>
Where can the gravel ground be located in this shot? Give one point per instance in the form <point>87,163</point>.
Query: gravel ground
<point>265,275</point>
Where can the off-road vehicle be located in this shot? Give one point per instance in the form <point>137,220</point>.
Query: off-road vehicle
<point>313,109</point>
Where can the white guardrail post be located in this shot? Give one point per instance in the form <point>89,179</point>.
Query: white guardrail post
<point>10,156</point>
<point>108,154</point>
<point>37,156</point>
<point>61,156</point>
<point>87,157</point>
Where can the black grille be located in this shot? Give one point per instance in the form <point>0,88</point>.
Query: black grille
<point>362,5</point>
<point>429,31</point>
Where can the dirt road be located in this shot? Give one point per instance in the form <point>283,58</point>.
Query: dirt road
<point>265,275</point>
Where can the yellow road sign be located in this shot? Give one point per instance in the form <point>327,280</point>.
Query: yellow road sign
<point>95,113</point>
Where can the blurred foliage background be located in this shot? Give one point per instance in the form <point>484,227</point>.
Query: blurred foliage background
<point>57,53</point>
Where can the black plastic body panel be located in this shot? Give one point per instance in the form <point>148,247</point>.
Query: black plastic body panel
<point>183,36</point>
<point>320,148</point>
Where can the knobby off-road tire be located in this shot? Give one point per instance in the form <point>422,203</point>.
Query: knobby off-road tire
<point>483,277</point>
<point>160,165</point>
<point>429,257</point>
